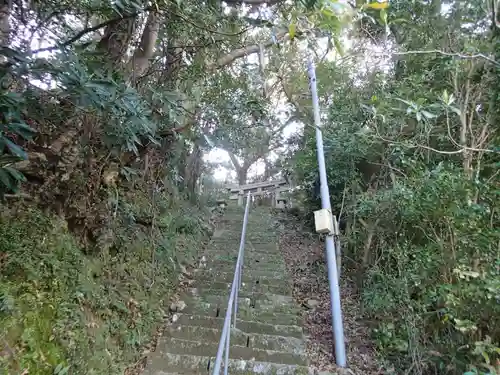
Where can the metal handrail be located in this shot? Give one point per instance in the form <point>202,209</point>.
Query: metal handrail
<point>233,300</point>
<point>331,260</point>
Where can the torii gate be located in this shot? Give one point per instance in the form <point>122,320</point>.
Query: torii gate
<point>275,188</point>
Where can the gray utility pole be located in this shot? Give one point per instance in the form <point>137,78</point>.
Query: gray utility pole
<point>338,328</point>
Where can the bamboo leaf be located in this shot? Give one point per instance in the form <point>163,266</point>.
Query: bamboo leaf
<point>338,46</point>
<point>292,30</point>
<point>377,5</point>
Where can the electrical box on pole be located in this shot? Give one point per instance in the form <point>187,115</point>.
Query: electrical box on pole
<point>323,221</point>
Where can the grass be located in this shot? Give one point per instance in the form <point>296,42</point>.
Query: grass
<point>62,311</point>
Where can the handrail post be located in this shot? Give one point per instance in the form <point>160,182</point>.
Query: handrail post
<point>223,347</point>
<point>338,329</point>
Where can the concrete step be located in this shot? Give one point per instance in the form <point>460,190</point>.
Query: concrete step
<point>161,363</point>
<point>229,254</point>
<point>203,334</point>
<point>242,325</point>
<point>286,344</point>
<point>255,276</point>
<point>268,317</point>
<point>250,264</point>
<point>251,298</point>
<point>267,339</point>
<point>233,237</point>
<point>257,300</point>
<point>265,248</point>
<point>247,288</point>
<point>197,307</point>
<point>197,348</point>
<point>228,265</point>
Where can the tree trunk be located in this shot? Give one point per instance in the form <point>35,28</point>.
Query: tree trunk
<point>193,169</point>
<point>244,51</point>
<point>144,52</point>
<point>242,176</point>
<point>4,22</point>
<point>116,39</point>
<point>241,170</point>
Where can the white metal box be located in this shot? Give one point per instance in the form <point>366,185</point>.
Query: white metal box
<point>323,221</point>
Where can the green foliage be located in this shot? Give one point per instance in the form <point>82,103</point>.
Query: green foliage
<point>421,210</point>
<point>434,267</point>
<point>13,128</point>
<point>65,312</point>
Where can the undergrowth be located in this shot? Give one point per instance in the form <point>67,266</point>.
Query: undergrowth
<point>64,309</point>
<point>432,279</point>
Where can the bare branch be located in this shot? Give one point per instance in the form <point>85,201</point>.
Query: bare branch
<point>435,150</point>
<point>82,33</point>
<point>253,2</point>
<point>245,51</point>
<point>204,28</point>
<point>452,54</point>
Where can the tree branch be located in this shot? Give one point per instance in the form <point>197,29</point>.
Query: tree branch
<point>452,54</point>
<point>82,33</point>
<point>187,20</point>
<point>253,2</point>
<point>245,51</point>
<point>144,52</point>
<point>234,160</point>
<point>433,149</point>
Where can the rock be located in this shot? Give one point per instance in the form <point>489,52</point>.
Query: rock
<point>182,269</point>
<point>326,373</point>
<point>312,303</point>
<point>203,262</point>
<point>177,306</point>
<point>110,175</point>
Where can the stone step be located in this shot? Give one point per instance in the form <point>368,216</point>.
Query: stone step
<point>178,346</point>
<point>203,334</point>
<point>249,262</point>
<point>231,253</point>
<point>242,325</point>
<point>286,344</point>
<point>246,289</point>
<point>269,316</point>
<point>228,265</point>
<point>254,276</point>
<point>262,256</point>
<point>257,300</point>
<point>161,363</point>
<point>268,247</point>
<point>256,239</point>
<point>267,339</point>
<point>253,298</point>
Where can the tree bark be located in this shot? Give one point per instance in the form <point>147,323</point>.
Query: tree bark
<point>245,51</point>
<point>144,52</point>
<point>242,176</point>
<point>253,2</point>
<point>4,22</point>
<point>193,169</point>
<point>116,39</point>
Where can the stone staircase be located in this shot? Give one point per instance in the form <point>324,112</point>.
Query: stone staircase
<point>267,338</point>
